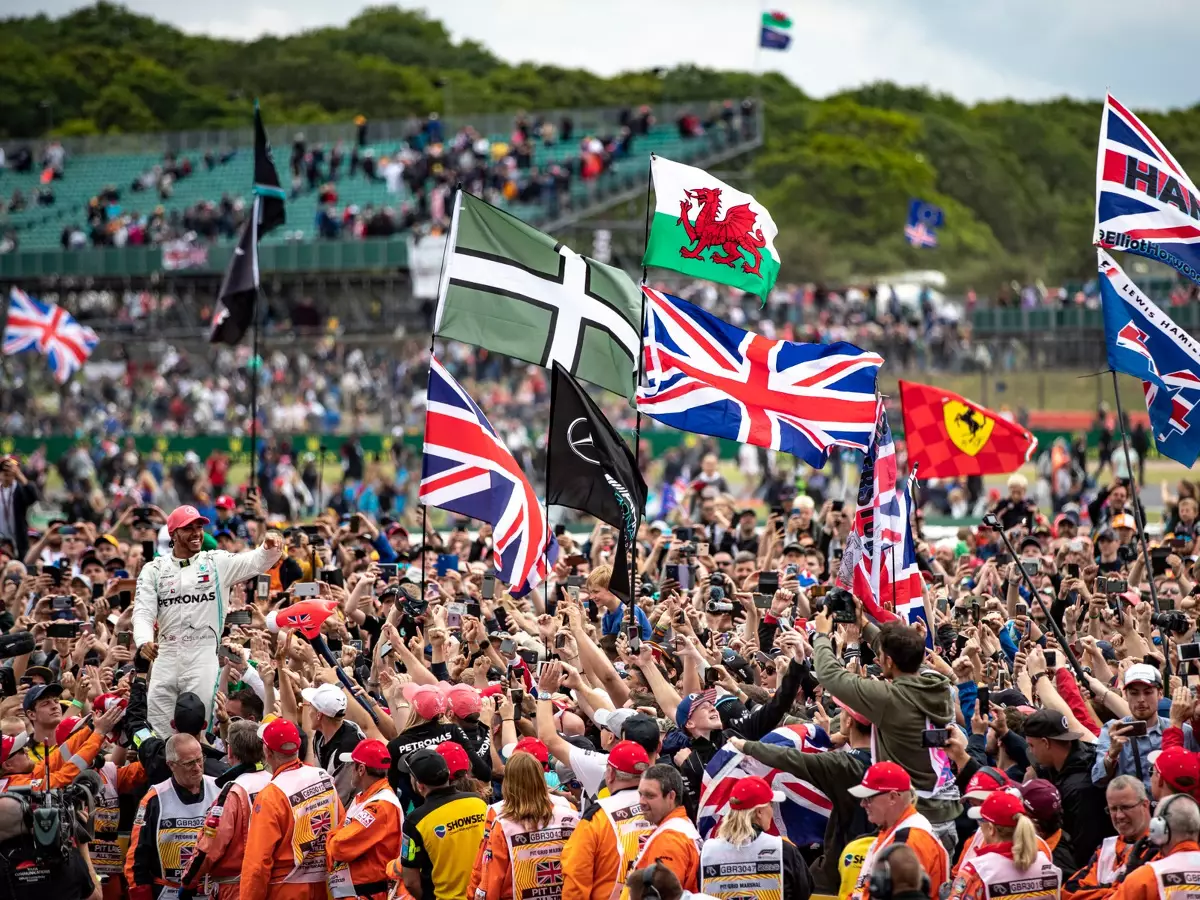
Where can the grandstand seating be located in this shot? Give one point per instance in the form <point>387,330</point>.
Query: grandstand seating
<point>40,227</point>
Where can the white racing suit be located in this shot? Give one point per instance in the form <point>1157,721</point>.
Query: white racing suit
<point>188,598</point>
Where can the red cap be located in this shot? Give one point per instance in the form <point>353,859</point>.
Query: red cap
<point>225,502</point>
<point>629,758</point>
<point>455,756</point>
<point>426,699</point>
<point>65,729</point>
<point>492,690</point>
<point>536,748</point>
<point>984,781</point>
<point>281,736</point>
<point>372,754</point>
<point>1179,768</point>
<point>183,516</point>
<point>856,716</point>
<point>752,792</point>
<point>1002,808</point>
<point>10,745</point>
<point>463,700</point>
<point>104,702</point>
<point>882,778</point>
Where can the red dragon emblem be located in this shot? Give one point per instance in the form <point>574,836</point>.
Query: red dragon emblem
<point>729,236</point>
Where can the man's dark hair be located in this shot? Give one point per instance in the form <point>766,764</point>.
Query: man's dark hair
<point>904,645</point>
<point>668,779</point>
<point>376,773</point>
<point>250,701</point>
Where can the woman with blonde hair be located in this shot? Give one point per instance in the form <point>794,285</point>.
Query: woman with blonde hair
<point>744,837</point>
<point>1011,852</point>
<point>530,830</point>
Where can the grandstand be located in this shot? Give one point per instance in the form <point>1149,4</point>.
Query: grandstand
<point>94,166</point>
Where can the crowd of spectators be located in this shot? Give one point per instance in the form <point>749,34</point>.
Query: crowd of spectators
<point>418,173</point>
<point>968,728</point>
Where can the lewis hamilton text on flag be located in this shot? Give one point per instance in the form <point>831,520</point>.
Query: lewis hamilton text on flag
<point>513,290</point>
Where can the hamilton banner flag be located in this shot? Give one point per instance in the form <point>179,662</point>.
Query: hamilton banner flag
<point>948,435</point>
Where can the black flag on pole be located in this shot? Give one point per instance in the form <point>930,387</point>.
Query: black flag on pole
<point>239,289</point>
<point>591,469</point>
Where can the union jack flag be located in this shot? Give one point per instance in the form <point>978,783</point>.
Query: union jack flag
<point>710,377</point>
<point>801,817</point>
<point>321,822</point>
<point>885,562</point>
<point>468,470</point>
<point>548,873</point>
<point>1145,202</point>
<point>920,236</point>
<point>49,329</point>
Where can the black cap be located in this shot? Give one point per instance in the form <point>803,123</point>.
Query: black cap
<point>1031,542</point>
<point>142,523</point>
<point>427,766</point>
<point>642,729</point>
<point>747,512</point>
<point>793,547</point>
<point>39,692</point>
<point>189,713</point>
<point>1046,723</point>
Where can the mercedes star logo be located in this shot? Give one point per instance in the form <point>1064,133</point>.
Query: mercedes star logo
<point>579,438</point>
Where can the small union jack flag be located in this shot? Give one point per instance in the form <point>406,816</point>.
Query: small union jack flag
<point>549,873</point>
<point>321,822</point>
<point>51,331</point>
<point>920,236</point>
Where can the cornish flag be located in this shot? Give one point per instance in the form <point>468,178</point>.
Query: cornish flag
<point>51,331</point>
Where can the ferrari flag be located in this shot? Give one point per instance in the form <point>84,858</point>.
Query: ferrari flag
<point>948,435</point>
<point>1145,202</point>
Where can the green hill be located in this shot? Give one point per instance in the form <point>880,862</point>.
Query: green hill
<point>1016,179</point>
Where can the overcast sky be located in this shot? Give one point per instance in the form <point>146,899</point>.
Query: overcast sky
<point>1027,49</point>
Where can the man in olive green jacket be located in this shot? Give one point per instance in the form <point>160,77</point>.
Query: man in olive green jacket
<point>907,701</point>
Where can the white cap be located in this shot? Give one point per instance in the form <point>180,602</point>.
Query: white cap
<point>1141,673</point>
<point>612,720</point>
<point>326,699</point>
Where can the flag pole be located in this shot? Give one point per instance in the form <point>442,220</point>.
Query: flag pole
<point>446,251</point>
<point>255,374</point>
<point>1139,519</point>
<point>641,370</point>
<point>631,549</point>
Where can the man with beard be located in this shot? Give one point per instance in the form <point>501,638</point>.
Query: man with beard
<point>186,593</point>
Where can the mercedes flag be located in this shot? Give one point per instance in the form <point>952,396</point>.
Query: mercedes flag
<point>589,467</point>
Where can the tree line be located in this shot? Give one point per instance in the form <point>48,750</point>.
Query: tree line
<point>1016,180</point>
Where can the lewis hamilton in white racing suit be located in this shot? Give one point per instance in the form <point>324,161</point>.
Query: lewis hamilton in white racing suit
<point>187,594</point>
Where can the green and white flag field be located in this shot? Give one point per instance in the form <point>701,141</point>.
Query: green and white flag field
<point>704,228</point>
<point>510,289</point>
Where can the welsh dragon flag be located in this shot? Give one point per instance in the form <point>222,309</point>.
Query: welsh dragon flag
<point>704,228</point>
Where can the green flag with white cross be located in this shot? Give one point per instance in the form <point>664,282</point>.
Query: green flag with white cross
<point>510,289</point>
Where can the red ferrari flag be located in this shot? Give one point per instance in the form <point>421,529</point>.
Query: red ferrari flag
<point>948,435</point>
